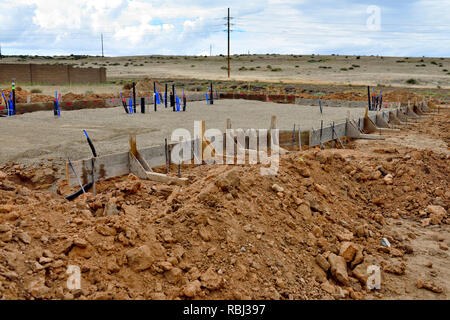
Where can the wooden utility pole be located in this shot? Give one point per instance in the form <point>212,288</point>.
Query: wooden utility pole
<point>102,46</point>
<point>228,42</point>
<point>1,57</point>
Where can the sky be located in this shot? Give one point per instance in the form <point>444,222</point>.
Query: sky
<point>198,27</point>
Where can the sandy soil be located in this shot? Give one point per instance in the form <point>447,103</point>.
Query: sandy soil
<point>395,71</point>
<point>30,137</point>
<point>310,232</point>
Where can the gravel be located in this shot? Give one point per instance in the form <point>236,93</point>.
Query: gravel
<point>36,136</point>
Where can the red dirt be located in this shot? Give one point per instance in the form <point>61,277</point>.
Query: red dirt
<point>232,233</point>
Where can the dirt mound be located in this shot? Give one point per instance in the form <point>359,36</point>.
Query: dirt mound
<point>86,97</point>
<point>349,96</point>
<point>22,96</point>
<point>144,87</point>
<point>400,95</point>
<point>307,233</point>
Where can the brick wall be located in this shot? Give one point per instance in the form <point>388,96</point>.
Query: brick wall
<point>50,74</point>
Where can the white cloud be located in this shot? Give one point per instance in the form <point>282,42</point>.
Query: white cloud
<point>189,27</point>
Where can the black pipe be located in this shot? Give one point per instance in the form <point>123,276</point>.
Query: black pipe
<point>55,108</point>
<point>368,96</point>
<point>91,145</point>
<point>134,97</point>
<point>75,195</point>
<point>154,93</point>
<point>212,96</point>
<point>165,97</point>
<point>172,100</point>
<point>142,105</point>
<point>184,103</point>
<point>125,106</point>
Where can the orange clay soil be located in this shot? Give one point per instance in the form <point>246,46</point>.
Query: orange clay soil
<point>309,232</point>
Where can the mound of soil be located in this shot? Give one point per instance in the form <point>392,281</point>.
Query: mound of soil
<point>309,232</point>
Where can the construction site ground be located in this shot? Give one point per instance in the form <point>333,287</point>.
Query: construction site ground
<point>308,232</point>
<point>30,137</point>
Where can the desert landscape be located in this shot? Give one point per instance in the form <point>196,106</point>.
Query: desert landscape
<point>308,232</point>
<point>135,166</point>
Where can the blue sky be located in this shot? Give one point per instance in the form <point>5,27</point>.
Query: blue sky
<point>188,27</point>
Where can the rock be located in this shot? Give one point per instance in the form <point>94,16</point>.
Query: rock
<point>443,246</point>
<point>111,208</point>
<point>345,236</point>
<point>10,275</point>
<point>43,176</point>
<point>6,233</point>
<point>192,288</point>
<point>211,280</point>
<point>322,262</point>
<point>398,269</point>
<point>304,211</point>
<point>361,230</point>
<point>37,288</point>
<point>167,236</point>
<point>360,273</point>
<point>436,213</point>
<point>229,180</point>
<point>348,251</point>
<point>3,175</point>
<point>304,172</point>
<point>45,260</point>
<point>105,230</point>
<point>321,189</point>
<point>328,287</point>
<point>143,257</point>
<point>204,233</point>
<point>338,268</point>
<point>317,232</point>
<point>80,243</point>
<point>376,175</point>
<point>6,208</point>
<point>388,179</point>
<point>385,243</point>
<point>429,286</point>
<point>426,222</point>
<point>173,276</point>
<point>277,188</point>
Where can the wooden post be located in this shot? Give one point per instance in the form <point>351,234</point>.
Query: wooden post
<point>228,123</point>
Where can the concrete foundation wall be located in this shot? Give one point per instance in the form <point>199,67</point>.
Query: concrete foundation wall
<point>50,74</point>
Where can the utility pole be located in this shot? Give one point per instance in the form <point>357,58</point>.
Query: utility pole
<point>228,42</point>
<point>210,50</point>
<point>102,45</point>
<point>1,57</point>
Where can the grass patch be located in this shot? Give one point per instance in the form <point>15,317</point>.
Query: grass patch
<point>36,91</point>
<point>412,81</point>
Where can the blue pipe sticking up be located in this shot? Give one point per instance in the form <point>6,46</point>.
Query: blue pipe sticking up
<point>11,111</point>
<point>6,102</point>
<point>57,103</point>
<point>131,104</point>
<point>207,100</point>
<point>178,104</point>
